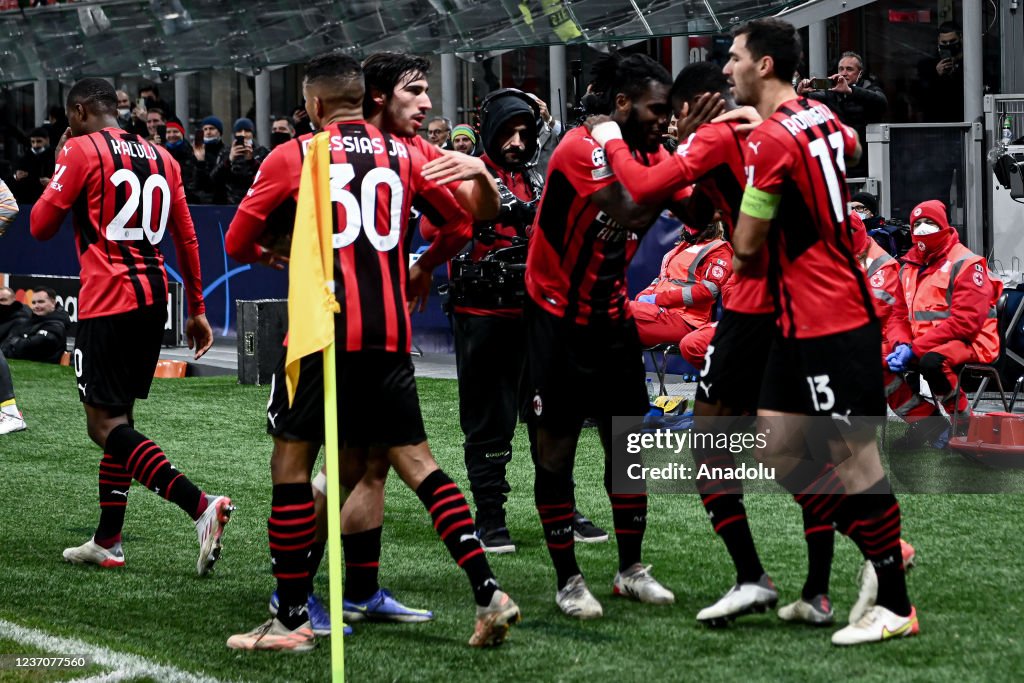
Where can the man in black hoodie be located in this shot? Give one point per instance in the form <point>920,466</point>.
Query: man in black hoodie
<point>487,317</point>
<point>44,336</point>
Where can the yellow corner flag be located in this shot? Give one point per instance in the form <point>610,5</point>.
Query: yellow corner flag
<point>311,302</point>
<point>311,309</point>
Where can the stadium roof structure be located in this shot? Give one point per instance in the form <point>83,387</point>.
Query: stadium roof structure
<point>164,37</point>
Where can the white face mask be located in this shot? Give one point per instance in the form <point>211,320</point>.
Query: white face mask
<point>926,229</point>
<point>864,215</point>
<point>124,112</point>
<point>210,141</point>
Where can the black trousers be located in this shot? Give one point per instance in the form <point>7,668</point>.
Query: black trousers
<point>489,355</point>
<point>6,385</point>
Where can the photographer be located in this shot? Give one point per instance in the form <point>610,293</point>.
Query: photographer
<point>486,299</point>
<point>237,165</point>
<point>940,83</point>
<point>856,99</point>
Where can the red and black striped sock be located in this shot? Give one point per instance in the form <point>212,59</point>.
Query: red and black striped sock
<point>820,493</point>
<point>453,523</point>
<point>150,467</point>
<point>291,528</point>
<point>820,538</point>
<point>114,482</point>
<point>876,530</point>
<point>553,495</point>
<point>362,564</point>
<point>723,503</point>
<point>316,556</point>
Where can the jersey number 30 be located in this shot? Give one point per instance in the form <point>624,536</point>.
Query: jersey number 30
<point>361,214</point>
<point>140,193</point>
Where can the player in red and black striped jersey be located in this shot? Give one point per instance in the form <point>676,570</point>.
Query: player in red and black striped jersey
<point>712,157</point>
<point>583,352</point>
<point>124,194</point>
<point>824,359</point>
<point>374,177</point>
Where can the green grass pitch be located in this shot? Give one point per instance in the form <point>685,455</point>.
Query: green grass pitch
<point>965,585</point>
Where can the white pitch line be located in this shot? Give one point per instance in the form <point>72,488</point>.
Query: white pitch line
<point>125,666</point>
<point>112,677</point>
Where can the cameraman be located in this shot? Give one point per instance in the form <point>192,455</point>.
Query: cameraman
<point>487,316</point>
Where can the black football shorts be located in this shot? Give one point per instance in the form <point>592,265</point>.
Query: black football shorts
<point>577,371</point>
<point>116,355</point>
<point>378,405</point>
<point>735,361</point>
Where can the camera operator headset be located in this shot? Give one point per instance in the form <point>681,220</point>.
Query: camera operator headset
<point>486,297</point>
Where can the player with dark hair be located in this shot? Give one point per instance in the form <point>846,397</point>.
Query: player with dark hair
<point>374,368</point>
<point>125,193</point>
<point>583,352</point>
<point>712,157</point>
<point>824,357</point>
<point>261,232</point>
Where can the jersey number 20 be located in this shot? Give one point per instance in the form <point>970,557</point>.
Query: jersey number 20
<point>140,193</point>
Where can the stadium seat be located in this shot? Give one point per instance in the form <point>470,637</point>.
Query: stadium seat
<point>171,369</point>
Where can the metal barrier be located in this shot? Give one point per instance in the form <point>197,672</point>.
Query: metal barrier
<point>1005,216</point>
<point>914,162</point>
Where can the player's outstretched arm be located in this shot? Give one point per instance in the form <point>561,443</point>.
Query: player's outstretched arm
<point>198,334</point>
<point>479,195</point>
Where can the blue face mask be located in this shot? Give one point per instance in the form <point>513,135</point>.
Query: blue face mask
<point>210,141</point>
<point>174,145</point>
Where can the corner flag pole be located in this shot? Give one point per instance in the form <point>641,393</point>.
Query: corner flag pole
<point>333,503</point>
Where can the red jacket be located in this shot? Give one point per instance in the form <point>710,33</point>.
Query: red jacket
<point>883,273</point>
<point>950,297</point>
<point>692,276</point>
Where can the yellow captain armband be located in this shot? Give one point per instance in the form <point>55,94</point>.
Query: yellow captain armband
<point>760,204</point>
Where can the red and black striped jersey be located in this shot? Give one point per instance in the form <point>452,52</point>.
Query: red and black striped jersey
<point>123,193</point>
<point>711,160</point>
<point>578,254</point>
<point>374,178</point>
<point>797,157</point>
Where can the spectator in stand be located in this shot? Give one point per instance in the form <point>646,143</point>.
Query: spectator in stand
<point>855,98</point>
<point>895,239</point>
<point>56,123</point>
<point>464,139</point>
<point>438,130</point>
<point>237,166</point>
<point>182,152</point>
<point>33,170</point>
<point>44,336</point>
<point>150,95</point>
<point>206,153</point>
<point>129,116</point>
<point>12,312</point>
<point>281,131</point>
<point>300,121</point>
<point>940,79</point>
<point>155,119</point>
<point>549,133</point>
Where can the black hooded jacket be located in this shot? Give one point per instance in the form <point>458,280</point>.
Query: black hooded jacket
<point>11,316</point>
<point>40,337</point>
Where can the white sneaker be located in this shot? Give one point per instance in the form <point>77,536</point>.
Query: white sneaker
<point>273,635</point>
<point>637,583</point>
<point>11,423</point>
<point>492,621</point>
<point>878,624</point>
<point>743,598</point>
<point>868,580</point>
<point>576,600</point>
<point>92,553</point>
<point>817,611</point>
<point>210,529</point>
